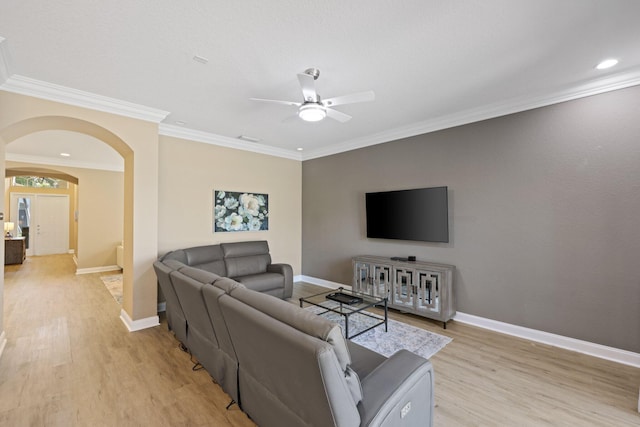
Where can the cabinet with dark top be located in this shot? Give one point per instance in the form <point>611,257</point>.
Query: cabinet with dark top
<point>14,250</point>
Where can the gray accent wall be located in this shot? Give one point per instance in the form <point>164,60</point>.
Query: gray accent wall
<point>544,214</point>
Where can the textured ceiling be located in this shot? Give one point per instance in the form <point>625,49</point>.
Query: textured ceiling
<point>430,63</point>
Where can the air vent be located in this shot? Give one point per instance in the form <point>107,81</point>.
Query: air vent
<point>248,138</point>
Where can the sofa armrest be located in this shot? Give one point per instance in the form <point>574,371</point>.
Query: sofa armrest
<point>401,384</point>
<point>287,272</point>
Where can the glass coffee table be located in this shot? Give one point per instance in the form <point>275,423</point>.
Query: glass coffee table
<point>348,308</point>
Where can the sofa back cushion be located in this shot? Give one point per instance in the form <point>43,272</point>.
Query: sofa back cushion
<point>178,255</point>
<point>307,323</point>
<point>198,274</point>
<point>246,258</point>
<point>208,258</point>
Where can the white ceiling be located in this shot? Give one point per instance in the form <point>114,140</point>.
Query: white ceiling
<point>46,147</point>
<point>431,63</point>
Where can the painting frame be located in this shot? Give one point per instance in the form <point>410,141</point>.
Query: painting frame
<point>235,211</point>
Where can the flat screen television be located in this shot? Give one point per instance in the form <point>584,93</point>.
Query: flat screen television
<point>420,214</point>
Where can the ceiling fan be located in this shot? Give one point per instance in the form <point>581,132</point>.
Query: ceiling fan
<point>313,108</point>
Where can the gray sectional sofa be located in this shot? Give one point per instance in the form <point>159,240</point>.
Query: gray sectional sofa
<point>285,366</point>
<point>246,262</point>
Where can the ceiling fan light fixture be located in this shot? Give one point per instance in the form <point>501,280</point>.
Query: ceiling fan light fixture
<point>312,113</point>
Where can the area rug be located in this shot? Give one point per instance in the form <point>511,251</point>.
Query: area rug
<point>399,336</point>
<point>113,283</point>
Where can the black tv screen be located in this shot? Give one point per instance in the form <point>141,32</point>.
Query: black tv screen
<point>420,214</point>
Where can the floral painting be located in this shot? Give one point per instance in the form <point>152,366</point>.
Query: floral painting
<point>236,211</point>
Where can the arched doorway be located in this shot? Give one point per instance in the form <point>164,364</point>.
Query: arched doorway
<point>27,187</point>
<point>139,293</point>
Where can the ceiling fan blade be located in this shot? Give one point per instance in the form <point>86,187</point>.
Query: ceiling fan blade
<point>349,99</point>
<point>337,115</point>
<point>275,101</point>
<point>308,85</point>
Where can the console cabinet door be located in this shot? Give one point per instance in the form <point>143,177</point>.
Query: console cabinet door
<point>428,286</point>
<point>381,283</point>
<point>403,288</point>
<point>361,278</point>
<point>372,278</point>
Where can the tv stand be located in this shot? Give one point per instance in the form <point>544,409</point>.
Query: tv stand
<point>418,287</point>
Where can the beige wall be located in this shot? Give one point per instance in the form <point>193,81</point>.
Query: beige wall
<point>100,204</point>
<point>191,171</point>
<point>137,142</point>
<point>178,212</point>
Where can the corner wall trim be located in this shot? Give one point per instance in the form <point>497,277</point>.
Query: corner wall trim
<point>320,282</point>
<point>97,269</point>
<point>3,342</point>
<point>138,325</point>
<point>585,347</point>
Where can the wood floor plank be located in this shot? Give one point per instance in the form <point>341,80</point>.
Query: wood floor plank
<point>69,361</point>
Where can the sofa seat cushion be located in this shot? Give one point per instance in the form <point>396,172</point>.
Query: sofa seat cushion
<point>262,282</point>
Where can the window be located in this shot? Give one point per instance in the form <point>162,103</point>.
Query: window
<point>38,182</point>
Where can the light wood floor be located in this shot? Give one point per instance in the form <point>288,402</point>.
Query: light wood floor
<point>69,361</point>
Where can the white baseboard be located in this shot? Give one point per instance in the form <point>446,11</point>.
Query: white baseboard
<point>597,350</point>
<point>97,269</point>
<point>137,325</point>
<point>3,342</point>
<point>320,282</point>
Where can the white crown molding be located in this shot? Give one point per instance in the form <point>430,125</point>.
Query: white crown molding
<point>138,325</point>
<point>41,160</point>
<point>5,61</point>
<point>593,87</point>
<point>585,347</point>
<point>52,92</point>
<point>225,141</point>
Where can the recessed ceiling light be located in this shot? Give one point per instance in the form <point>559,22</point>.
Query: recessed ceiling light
<point>65,154</point>
<point>299,148</point>
<point>607,63</point>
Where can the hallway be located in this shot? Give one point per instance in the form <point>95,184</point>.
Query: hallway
<point>69,360</point>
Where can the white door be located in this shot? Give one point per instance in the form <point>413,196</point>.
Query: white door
<point>52,224</point>
<point>44,220</point>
